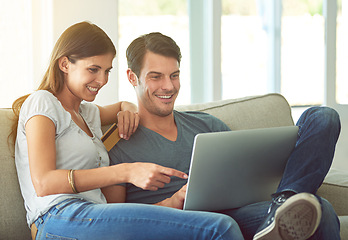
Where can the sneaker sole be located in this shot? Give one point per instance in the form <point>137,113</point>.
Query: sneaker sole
<point>297,219</point>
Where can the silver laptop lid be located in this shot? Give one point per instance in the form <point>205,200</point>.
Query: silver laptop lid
<point>235,168</point>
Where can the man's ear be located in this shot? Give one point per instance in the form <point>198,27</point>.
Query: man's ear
<point>64,64</point>
<point>132,77</point>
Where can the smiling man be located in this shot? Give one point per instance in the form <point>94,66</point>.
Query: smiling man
<point>165,137</point>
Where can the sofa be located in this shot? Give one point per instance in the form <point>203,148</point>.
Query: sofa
<point>271,110</point>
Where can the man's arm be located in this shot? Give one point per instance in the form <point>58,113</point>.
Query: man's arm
<point>117,194</point>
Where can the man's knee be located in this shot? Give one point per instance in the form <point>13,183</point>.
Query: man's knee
<point>324,118</point>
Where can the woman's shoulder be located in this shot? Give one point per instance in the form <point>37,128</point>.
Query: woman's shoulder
<point>42,96</point>
<point>42,102</point>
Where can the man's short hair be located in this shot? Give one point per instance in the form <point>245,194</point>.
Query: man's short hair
<point>155,42</point>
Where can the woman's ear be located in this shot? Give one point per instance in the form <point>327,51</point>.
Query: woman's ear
<point>64,64</point>
<point>132,77</point>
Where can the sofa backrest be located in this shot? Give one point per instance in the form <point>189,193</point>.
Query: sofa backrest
<point>13,223</point>
<point>271,110</point>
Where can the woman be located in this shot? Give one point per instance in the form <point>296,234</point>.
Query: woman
<point>63,167</point>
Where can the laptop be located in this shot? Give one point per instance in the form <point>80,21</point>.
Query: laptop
<point>236,168</point>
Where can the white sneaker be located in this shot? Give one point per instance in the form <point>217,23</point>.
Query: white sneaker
<point>291,218</point>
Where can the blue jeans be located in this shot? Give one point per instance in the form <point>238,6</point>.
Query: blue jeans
<point>307,166</point>
<point>80,219</point>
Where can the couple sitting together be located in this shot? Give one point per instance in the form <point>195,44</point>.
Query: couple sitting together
<point>74,189</point>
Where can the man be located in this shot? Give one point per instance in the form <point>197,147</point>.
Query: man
<point>166,136</point>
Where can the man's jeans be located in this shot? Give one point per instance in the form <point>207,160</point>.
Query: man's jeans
<point>319,128</point>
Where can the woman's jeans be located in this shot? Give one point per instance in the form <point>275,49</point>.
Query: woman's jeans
<point>80,219</point>
<point>319,128</point>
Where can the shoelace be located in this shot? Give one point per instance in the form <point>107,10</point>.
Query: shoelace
<point>277,201</point>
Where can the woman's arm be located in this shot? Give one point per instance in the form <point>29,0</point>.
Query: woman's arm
<point>40,133</point>
<point>123,113</point>
<point>47,180</point>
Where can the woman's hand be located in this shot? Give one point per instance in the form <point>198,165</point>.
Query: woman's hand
<point>125,114</point>
<point>149,176</point>
<point>128,122</point>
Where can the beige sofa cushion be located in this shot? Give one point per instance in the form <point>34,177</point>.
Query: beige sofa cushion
<point>271,110</point>
<point>12,210</point>
<point>344,227</point>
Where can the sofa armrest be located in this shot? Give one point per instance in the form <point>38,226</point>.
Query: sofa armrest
<point>335,190</point>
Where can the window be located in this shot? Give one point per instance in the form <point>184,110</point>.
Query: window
<point>140,17</point>
<point>342,53</point>
<point>244,49</point>
<point>251,59</point>
<point>302,52</point>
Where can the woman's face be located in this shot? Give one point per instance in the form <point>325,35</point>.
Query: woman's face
<point>84,78</point>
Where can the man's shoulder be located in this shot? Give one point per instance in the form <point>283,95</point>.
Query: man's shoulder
<point>200,119</point>
<point>195,116</point>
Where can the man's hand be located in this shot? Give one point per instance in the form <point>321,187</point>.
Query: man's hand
<point>176,201</point>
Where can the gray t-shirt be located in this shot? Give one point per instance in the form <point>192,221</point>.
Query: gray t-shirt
<point>74,149</point>
<point>146,145</point>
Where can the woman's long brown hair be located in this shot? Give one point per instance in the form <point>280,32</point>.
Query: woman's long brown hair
<point>79,41</point>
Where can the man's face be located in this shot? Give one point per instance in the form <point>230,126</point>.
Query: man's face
<point>158,84</point>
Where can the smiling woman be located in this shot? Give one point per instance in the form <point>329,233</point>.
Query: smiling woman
<point>87,43</point>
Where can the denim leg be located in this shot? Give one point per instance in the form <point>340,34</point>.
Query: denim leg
<point>79,219</point>
<point>329,227</point>
<point>308,164</point>
<point>251,216</point>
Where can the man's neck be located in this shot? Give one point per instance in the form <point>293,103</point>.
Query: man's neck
<point>164,126</point>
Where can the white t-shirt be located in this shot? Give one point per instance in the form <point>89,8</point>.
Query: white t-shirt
<point>74,149</point>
